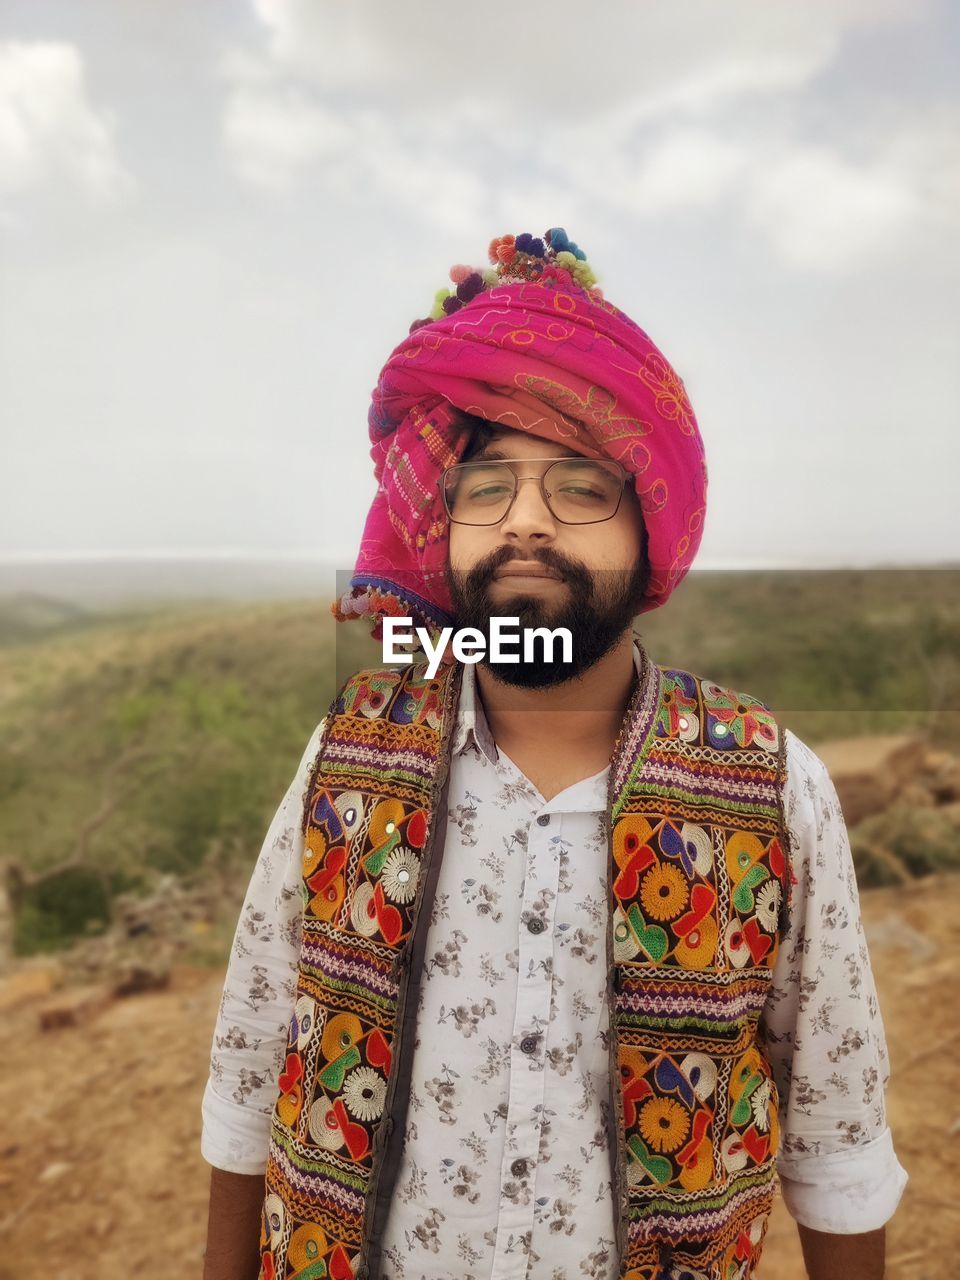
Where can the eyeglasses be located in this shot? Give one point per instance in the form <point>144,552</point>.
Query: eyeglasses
<point>575,490</point>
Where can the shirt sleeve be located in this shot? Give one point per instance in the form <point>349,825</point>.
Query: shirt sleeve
<point>250,1036</point>
<point>822,1028</point>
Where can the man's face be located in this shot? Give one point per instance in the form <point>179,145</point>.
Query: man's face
<point>586,577</point>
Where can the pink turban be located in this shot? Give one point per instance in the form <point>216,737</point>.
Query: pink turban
<point>533,346</point>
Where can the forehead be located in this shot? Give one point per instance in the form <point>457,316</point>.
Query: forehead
<point>507,443</point>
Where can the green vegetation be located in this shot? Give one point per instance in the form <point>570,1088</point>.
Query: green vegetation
<point>162,740</point>
<point>150,742</point>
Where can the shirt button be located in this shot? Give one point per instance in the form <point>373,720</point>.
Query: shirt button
<point>535,924</point>
<point>518,1168</point>
<point>543,820</point>
<point>529,1044</point>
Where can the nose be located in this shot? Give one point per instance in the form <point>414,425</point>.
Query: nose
<point>529,519</point>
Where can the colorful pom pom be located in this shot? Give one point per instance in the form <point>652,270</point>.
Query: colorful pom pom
<point>470,287</point>
<point>436,311</point>
<point>553,260</point>
<point>502,249</point>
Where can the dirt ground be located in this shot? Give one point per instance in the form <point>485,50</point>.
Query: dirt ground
<point>99,1158</point>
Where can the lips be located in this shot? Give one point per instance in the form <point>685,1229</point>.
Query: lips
<point>527,570</point>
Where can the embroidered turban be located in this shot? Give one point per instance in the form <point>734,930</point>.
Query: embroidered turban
<point>531,344</point>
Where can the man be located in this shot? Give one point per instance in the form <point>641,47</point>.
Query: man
<point>547,968</point>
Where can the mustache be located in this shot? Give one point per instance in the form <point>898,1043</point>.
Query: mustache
<point>573,571</point>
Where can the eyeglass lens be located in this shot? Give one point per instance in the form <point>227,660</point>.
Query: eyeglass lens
<point>577,491</point>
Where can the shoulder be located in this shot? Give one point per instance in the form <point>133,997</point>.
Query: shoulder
<point>803,760</point>
<point>811,802</point>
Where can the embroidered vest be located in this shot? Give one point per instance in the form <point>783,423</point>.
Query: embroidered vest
<point>698,874</point>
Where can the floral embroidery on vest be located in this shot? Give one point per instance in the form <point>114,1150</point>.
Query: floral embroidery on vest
<point>699,870</point>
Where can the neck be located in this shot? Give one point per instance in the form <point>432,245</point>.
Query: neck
<point>586,712</point>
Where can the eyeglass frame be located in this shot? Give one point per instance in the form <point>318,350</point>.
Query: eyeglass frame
<point>624,475</point>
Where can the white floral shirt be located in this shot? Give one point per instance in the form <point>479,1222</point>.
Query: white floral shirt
<point>505,1170</point>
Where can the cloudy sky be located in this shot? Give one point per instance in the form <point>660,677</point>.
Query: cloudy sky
<point>217,219</point>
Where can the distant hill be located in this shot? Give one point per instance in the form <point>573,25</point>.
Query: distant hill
<point>121,581</point>
<point>27,616</point>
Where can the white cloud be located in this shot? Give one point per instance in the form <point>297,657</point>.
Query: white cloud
<point>821,212</point>
<point>363,99</point>
<point>554,56</point>
<point>926,151</point>
<point>463,80</point>
<point>273,136</point>
<point>684,169</point>
<point>49,129</point>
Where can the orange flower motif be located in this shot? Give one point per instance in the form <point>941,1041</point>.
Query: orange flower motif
<point>663,892</point>
<point>664,1124</point>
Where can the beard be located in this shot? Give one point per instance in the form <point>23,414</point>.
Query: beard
<point>597,609</point>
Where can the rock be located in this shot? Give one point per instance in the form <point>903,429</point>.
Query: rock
<point>869,773</point>
<point>138,978</point>
<point>54,1171</point>
<point>71,1008</point>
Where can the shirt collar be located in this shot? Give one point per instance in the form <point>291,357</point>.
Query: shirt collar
<point>472,729</point>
